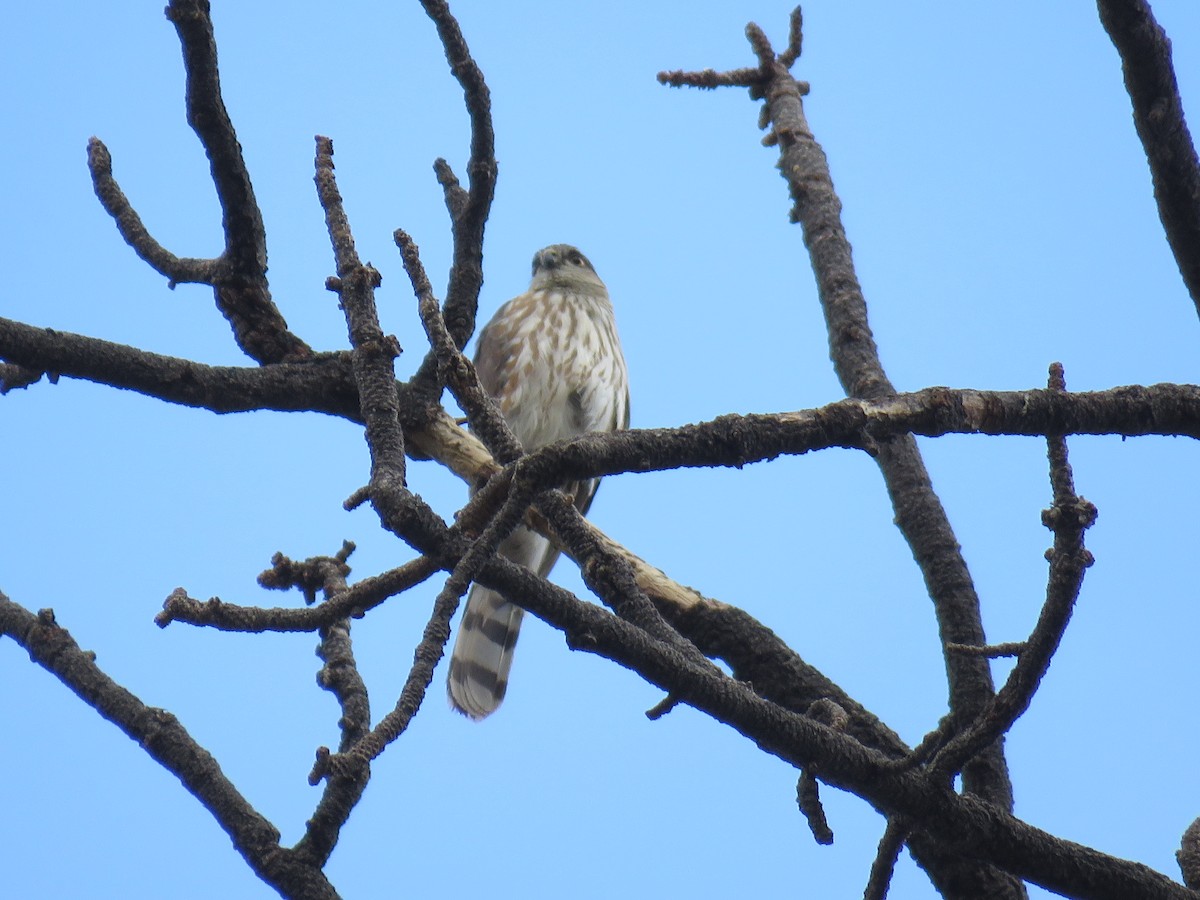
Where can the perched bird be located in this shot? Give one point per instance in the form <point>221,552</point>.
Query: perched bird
<point>552,361</point>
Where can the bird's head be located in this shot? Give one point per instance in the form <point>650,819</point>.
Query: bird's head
<point>564,267</point>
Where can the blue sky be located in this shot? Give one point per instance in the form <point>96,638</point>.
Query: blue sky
<point>1001,214</point>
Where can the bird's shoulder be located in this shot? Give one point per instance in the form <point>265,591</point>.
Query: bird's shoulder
<point>496,352</point>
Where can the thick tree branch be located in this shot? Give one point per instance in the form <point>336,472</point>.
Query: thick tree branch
<point>326,385</point>
<point>162,736</point>
<point>1158,116</point>
<point>919,513</point>
<point>241,288</point>
<point>737,440</point>
<point>962,824</point>
<point>323,383</point>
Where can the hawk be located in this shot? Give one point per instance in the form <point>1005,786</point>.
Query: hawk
<point>552,360</point>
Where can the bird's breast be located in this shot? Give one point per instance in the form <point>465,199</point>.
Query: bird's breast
<point>565,374</point>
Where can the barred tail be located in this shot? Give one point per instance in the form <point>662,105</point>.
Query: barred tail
<point>483,653</point>
<point>483,649</point>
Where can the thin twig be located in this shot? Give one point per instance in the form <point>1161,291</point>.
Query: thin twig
<point>454,368</point>
<point>177,270</point>
<point>808,798</point>
<point>14,377</point>
<point>468,209</point>
<point>373,353</point>
<point>795,39</point>
<point>1069,517</point>
<point>339,675</point>
<point>991,651</point>
<point>710,79</point>
<point>431,648</point>
<point>353,602</point>
<point>662,707</point>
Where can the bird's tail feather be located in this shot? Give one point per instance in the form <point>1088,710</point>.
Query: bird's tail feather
<point>483,649</point>
<point>483,653</point>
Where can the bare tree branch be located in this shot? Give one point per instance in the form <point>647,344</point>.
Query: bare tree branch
<point>351,603</point>
<point>323,383</point>
<point>177,270</point>
<point>454,369</point>
<point>884,865</point>
<point>808,798</point>
<point>399,510</point>
<point>14,377</point>
<point>161,735</point>
<point>919,514</point>
<point>1068,518</point>
<point>737,440</point>
<point>991,651</point>
<point>238,275</point>
<point>1188,856</point>
<point>339,675</point>
<point>963,824</point>
<point>468,209</point>
<point>667,633</point>
<point>372,352</point>
<point>1158,115</point>
<point>241,291</point>
<point>428,654</point>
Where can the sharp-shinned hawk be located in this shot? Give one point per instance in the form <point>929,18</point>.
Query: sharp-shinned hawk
<point>552,361</point>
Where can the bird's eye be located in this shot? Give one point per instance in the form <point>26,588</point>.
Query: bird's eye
<point>578,260</point>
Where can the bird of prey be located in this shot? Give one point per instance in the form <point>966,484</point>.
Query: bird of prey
<point>552,360</point>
